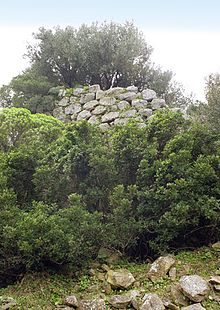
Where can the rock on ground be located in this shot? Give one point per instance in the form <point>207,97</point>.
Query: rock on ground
<point>194,287</point>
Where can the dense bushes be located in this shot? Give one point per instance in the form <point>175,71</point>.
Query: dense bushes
<point>66,190</point>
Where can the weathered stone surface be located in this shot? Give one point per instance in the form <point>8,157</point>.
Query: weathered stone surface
<point>100,94</point>
<point>172,273</point>
<point>120,301</point>
<point>194,307</point>
<point>63,102</point>
<point>73,109</point>
<point>194,287</point>
<point>216,246</point>
<point>87,97</point>
<point>177,296</point>
<point>217,287</point>
<point>146,112</point>
<point>94,88</point>
<point>83,115</point>
<point>158,104</point>
<point>168,304</point>
<point>78,91</point>
<point>152,302</point>
<point>149,94</point>
<point>160,267</point>
<point>215,280</point>
<point>90,105</point>
<point>96,304</point>
<point>7,303</point>
<point>94,120</point>
<point>104,127</point>
<point>99,110</point>
<point>121,121</point>
<point>59,113</point>
<point>109,117</point>
<point>129,113</point>
<point>121,278</point>
<point>128,96</point>
<point>72,301</point>
<point>132,88</point>
<point>139,103</point>
<point>122,105</point>
<point>107,101</point>
<point>114,91</point>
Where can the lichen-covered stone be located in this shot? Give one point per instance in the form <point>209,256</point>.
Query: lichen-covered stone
<point>90,105</point>
<point>100,94</point>
<point>114,91</point>
<point>194,287</point>
<point>104,127</point>
<point>132,88</point>
<point>73,109</point>
<point>158,104</point>
<point>109,117</point>
<point>129,113</point>
<point>194,307</point>
<point>128,96</point>
<point>160,267</point>
<point>99,110</point>
<point>107,101</point>
<point>96,304</point>
<point>121,121</point>
<point>78,91</point>
<point>120,301</point>
<point>72,301</point>
<point>121,278</point>
<point>94,120</point>
<point>83,115</point>
<point>152,302</point>
<point>139,103</point>
<point>94,88</point>
<point>149,94</point>
<point>87,97</point>
<point>122,105</point>
<point>145,112</point>
<point>63,102</point>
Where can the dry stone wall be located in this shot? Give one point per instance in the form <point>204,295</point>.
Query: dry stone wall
<point>115,106</point>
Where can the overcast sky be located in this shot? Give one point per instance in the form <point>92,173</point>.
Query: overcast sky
<point>185,34</point>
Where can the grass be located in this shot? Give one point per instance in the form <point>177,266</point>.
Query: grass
<point>44,291</point>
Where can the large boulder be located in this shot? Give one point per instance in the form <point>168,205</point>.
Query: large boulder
<point>152,302</point>
<point>121,278</point>
<point>194,287</point>
<point>160,267</point>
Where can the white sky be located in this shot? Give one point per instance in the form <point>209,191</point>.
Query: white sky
<point>190,55</point>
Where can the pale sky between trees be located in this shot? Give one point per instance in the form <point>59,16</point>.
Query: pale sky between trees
<point>185,35</point>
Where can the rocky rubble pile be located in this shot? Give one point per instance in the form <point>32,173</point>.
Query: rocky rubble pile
<point>115,106</point>
<point>187,292</point>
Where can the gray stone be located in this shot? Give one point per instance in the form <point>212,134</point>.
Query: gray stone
<point>78,91</point>
<point>99,110</point>
<point>90,105</point>
<point>215,280</point>
<point>63,102</point>
<point>100,94</point>
<point>139,103</point>
<point>94,88</point>
<point>114,91</point>
<point>122,105</point>
<point>121,278</point>
<point>83,115</point>
<point>128,96</point>
<point>177,296</point>
<point>87,97</point>
<point>107,101</point>
<point>152,302</point>
<point>217,287</point>
<point>146,112</point>
<point>121,121</point>
<point>96,304</point>
<point>114,108</point>
<point>109,117</point>
<point>216,246</point>
<point>172,273</point>
<point>142,125</point>
<point>94,120</point>
<point>72,301</point>
<point>73,109</point>
<point>149,94</point>
<point>120,301</point>
<point>129,113</point>
<point>158,104</point>
<point>168,304</point>
<point>133,89</point>
<point>59,113</point>
<point>194,307</point>
<point>160,267</point>
<point>104,127</point>
<point>194,287</point>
